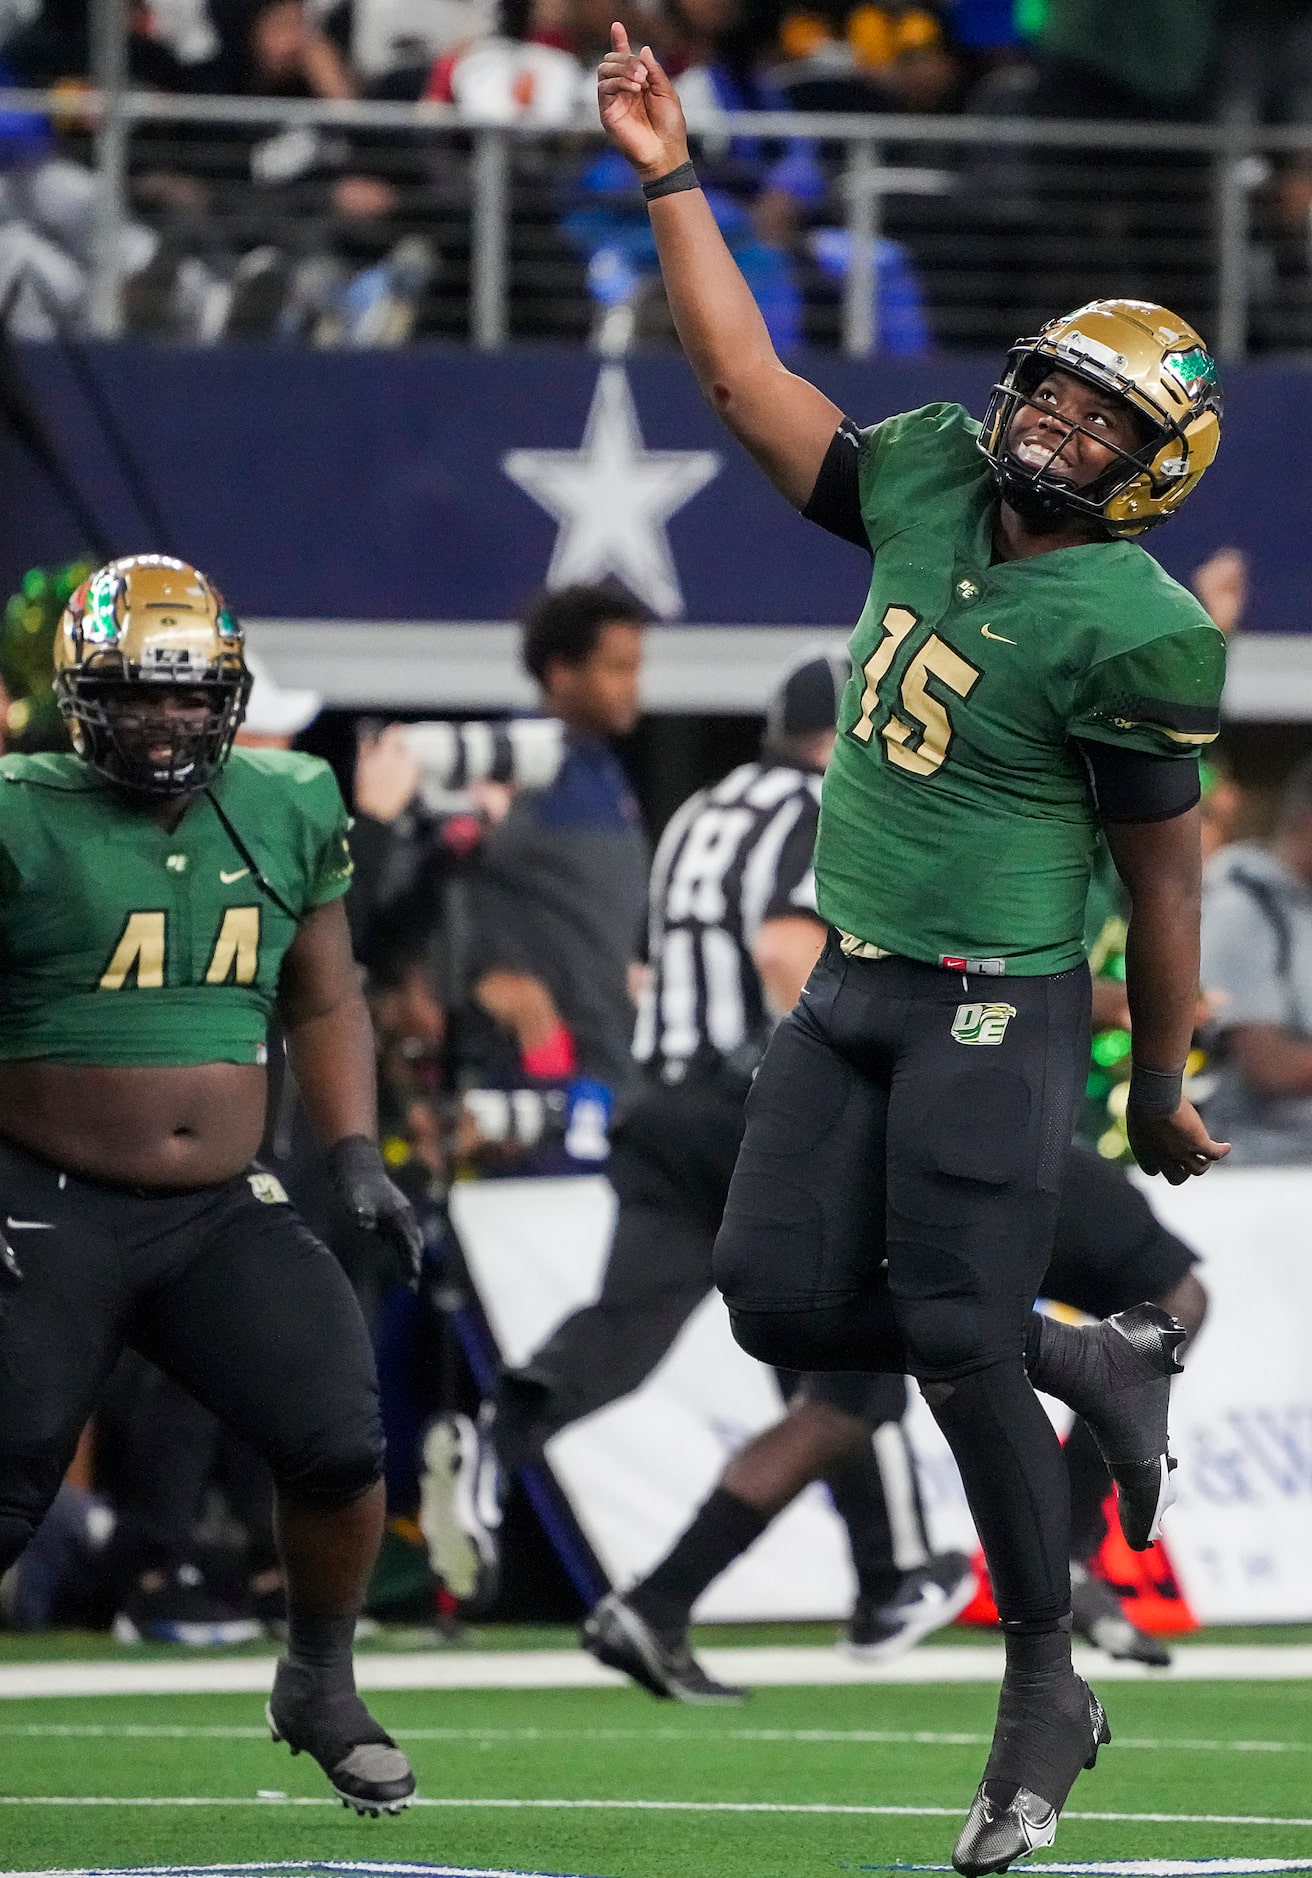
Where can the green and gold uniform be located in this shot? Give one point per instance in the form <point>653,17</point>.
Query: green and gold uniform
<point>956,820</point>
<point>121,943</point>
<point>895,1198</point>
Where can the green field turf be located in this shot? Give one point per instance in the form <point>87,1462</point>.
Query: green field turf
<point>1194,1750</point>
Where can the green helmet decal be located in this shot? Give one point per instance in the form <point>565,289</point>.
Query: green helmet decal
<point>1195,370</point>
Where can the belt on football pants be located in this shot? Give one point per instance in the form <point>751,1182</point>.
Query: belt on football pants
<point>854,948</point>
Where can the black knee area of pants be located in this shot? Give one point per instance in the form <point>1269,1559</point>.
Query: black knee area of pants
<point>831,1337</point>
<point>952,1336</point>
<point>872,1399</point>
<point>336,1468</point>
<point>959,1314</point>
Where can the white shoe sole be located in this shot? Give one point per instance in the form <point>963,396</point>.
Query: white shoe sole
<point>1167,1493</point>
<point>930,1617</point>
<point>460,1549</point>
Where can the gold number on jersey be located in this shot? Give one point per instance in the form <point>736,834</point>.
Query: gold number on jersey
<point>237,948</point>
<point>896,624</point>
<point>934,660</point>
<point>140,951</point>
<point>139,954</point>
<point>929,723</point>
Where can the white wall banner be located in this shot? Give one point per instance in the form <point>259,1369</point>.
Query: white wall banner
<point>635,1472</point>
<point>1240,1537</point>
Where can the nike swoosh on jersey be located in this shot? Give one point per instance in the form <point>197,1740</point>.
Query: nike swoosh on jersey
<point>228,879</point>
<point>999,637</point>
<point>29,1225</point>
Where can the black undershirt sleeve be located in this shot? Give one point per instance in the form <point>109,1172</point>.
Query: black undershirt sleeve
<point>1129,786</point>
<point>835,502</point>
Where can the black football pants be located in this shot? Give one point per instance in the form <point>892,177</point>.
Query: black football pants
<point>670,1167</point>
<point>893,1208</point>
<point>228,1293</point>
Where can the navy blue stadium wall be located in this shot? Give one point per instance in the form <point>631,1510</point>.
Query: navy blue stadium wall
<point>374,486</point>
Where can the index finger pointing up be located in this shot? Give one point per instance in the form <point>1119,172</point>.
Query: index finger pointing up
<point>619,39</point>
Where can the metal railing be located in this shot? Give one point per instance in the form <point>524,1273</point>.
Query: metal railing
<point>1001,217</point>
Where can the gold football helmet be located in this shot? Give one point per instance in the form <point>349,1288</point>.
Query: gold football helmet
<point>150,675</point>
<point>1157,364</point>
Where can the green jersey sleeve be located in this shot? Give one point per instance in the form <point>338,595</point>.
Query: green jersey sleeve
<point>288,807</point>
<point>333,865</point>
<point>909,462</point>
<point>1162,697</point>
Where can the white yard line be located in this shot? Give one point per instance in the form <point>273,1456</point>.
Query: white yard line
<point>305,1867</point>
<point>572,1669</point>
<point>809,1808</point>
<point>865,1737</point>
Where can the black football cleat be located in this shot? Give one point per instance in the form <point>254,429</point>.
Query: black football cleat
<point>994,1834</point>
<point>659,1662</point>
<point>1127,1411</point>
<point>929,1597</point>
<point>1100,1620</point>
<point>1008,1819</point>
<point>365,1768</point>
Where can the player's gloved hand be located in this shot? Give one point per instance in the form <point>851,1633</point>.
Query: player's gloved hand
<point>1176,1145</point>
<point>374,1200</point>
<point>11,1273</point>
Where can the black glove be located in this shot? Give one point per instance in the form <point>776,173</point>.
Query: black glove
<point>11,1273</point>
<point>374,1201</point>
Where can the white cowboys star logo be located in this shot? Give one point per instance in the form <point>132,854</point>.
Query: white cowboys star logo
<point>613,497</point>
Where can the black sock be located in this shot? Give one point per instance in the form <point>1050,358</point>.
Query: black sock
<point>723,1529</point>
<point>322,1646</point>
<point>1039,1686</point>
<point>1064,1360</point>
<point>1037,1653</point>
<point>857,1491</point>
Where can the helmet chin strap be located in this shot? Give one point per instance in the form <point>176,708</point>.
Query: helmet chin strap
<point>1043,510</point>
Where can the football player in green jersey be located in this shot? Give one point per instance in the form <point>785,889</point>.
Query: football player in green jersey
<point>159,894</point>
<point>1022,672</point>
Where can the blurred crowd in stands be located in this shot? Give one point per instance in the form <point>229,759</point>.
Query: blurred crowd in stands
<point>362,237</point>
<point>498,916</point>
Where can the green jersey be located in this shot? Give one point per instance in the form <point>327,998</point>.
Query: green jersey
<point>956,822</point>
<point>123,944</point>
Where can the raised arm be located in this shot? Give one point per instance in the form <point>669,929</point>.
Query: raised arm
<point>786,423</point>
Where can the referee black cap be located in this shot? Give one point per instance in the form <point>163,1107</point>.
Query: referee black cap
<point>805,701</point>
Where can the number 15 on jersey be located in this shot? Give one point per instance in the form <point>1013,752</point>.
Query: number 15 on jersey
<point>918,734</point>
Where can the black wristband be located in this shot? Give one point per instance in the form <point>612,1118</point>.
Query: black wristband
<point>1155,1091</point>
<point>685,177</point>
